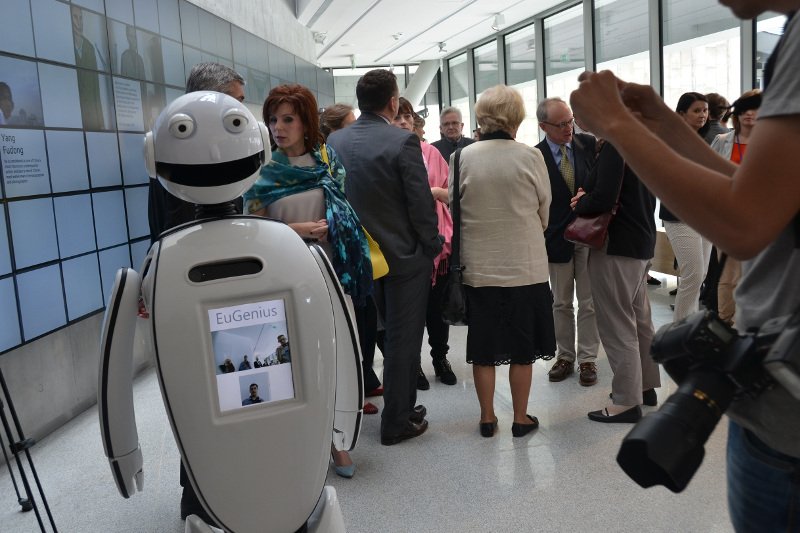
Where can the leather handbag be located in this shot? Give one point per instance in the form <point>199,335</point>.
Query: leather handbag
<point>592,230</point>
<point>454,299</point>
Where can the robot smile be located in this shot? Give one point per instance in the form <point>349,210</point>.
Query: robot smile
<point>210,175</point>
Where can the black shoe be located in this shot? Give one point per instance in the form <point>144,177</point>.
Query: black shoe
<point>520,430</point>
<point>653,281</point>
<point>418,414</point>
<point>648,397</point>
<point>673,292</point>
<point>190,505</point>
<point>412,430</point>
<point>443,371</point>
<point>422,381</point>
<point>630,416</point>
<point>488,429</point>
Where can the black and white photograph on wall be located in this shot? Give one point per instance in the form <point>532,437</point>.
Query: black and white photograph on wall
<point>90,40</point>
<point>247,350</point>
<point>20,99</point>
<point>135,53</point>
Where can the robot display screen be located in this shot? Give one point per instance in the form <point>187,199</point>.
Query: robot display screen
<point>252,358</point>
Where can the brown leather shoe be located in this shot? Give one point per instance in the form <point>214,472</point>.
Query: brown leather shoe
<point>412,430</point>
<point>560,370</point>
<point>587,374</point>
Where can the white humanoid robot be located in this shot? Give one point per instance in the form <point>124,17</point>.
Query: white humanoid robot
<point>255,443</point>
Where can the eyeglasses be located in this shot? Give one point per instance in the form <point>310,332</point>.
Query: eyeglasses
<point>561,125</point>
<point>450,124</point>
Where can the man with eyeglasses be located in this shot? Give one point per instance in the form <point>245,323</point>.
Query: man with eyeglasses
<point>450,126</point>
<point>568,156</point>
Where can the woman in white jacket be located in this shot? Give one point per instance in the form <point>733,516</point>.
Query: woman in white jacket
<point>732,146</point>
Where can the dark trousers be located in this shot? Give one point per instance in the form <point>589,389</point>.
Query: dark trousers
<point>367,323</point>
<point>438,330</point>
<point>401,300</point>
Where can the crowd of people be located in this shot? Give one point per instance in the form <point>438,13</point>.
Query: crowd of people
<point>334,178</point>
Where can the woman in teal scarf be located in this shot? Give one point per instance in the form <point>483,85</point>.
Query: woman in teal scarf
<point>303,185</point>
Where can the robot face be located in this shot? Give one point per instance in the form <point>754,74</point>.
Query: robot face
<point>206,148</point>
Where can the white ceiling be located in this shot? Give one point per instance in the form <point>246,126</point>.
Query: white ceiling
<point>380,32</point>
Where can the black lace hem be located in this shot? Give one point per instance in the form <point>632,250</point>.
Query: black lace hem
<point>543,357</point>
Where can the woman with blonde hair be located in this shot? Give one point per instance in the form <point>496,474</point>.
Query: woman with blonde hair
<point>504,192</point>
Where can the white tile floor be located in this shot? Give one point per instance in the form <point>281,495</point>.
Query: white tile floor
<point>563,477</point>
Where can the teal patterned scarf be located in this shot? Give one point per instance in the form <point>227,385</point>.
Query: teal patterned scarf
<point>350,250</point>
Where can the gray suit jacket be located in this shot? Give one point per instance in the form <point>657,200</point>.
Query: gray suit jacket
<point>387,185</point>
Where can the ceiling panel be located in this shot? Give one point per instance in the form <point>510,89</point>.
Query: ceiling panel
<point>408,31</point>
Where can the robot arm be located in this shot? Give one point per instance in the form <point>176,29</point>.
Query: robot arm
<point>349,379</point>
<point>115,390</point>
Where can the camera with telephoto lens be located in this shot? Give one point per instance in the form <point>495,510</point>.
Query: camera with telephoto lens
<point>713,365</point>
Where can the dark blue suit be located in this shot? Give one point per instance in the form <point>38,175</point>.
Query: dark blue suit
<point>569,274</point>
<point>558,249</point>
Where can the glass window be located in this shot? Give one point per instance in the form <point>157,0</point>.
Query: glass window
<point>521,75</point>
<point>701,49</point>
<point>41,301</point>
<point>21,79</point>
<point>146,14</point>
<point>9,326</point>
<point>136,208</point>
<point>563,50</point>
<point>112,260</point>
<point>52,30</point>
<point>769,29</point>
<point>169,19</point>
<point>485,63</point>
<point>5,251</point>
<point>622,39</point>
<point>17,38</point>
<point>33,231</point>
<point>109,218</point>
<point>103,157</point>
<point>67,158</point>
<point>82,285</point>
<point>428,108</point>
<point>75,225</point>
<point>459,88</point>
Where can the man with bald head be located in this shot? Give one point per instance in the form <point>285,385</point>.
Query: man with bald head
<point>569,157</point>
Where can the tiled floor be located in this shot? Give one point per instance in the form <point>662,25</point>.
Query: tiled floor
<point>563,477</point>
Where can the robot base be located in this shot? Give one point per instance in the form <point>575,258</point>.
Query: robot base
<point>326,518</point>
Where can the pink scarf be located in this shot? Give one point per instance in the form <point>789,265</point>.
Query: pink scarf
<point>437,177</point>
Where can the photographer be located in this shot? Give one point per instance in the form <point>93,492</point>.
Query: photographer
<point>750,212</point>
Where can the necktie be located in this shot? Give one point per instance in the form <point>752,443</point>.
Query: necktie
<point>566,170</point>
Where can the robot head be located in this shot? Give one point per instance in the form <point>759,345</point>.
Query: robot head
<point>206,148</point>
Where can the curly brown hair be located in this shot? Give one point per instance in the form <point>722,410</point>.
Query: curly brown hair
<point>304,105</point>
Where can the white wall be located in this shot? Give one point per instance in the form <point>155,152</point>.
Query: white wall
<point>273,20</point>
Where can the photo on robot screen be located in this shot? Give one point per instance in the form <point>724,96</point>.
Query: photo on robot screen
<point>251,354</point>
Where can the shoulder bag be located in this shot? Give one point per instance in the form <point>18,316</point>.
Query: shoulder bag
<point>592,230</point>
<point>454,300</point>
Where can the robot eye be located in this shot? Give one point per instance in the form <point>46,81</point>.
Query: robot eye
<point>235,121</point>
<point>181,126</point>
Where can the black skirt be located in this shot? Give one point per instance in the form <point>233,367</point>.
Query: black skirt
<point>510,324</point>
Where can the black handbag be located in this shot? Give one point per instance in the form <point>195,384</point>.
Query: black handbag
<point>454,300</point>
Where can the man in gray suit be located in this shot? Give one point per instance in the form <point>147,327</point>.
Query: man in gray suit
<point>387,185</point>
